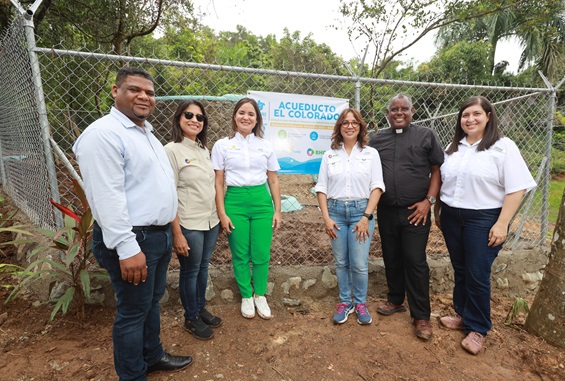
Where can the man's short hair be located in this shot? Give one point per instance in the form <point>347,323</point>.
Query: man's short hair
<point>126,71</point>
<point>398,96</point>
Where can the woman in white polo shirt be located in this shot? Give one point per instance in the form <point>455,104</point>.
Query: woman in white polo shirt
<point>196,227</point>
<point>248,213</point>
<point>350,184</point>
<point>484,178</point>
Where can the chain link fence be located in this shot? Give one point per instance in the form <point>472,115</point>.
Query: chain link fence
<point>76,87</point>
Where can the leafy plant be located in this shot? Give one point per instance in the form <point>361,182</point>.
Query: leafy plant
<point>518,306</point>
<point>72,268</point>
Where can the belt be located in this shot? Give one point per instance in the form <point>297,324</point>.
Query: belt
<point>150,228</point>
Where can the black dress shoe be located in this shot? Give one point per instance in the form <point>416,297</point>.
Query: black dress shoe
<point>170,363</point>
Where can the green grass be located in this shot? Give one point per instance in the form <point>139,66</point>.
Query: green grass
<point>555,195</point>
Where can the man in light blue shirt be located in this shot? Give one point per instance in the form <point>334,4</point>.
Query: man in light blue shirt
<point>130,186</point>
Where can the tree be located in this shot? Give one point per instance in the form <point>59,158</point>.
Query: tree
<point>547,314</point>
<point>539,26</point>
<point>463,62</point>
<point>391,27</point>
<point>114,23</point>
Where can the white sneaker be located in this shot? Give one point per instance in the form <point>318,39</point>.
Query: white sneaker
<point>262,307</point>
<point>247,308</point>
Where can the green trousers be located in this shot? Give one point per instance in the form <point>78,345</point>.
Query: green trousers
<point>251,212</point>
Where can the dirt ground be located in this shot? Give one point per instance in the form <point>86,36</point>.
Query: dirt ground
<point>299,343</point>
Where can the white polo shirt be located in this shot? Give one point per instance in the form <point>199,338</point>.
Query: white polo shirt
<point>350,177</point>
<point>481,180</point>
<point>245,161</point>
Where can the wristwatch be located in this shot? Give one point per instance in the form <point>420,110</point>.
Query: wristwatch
<point>369,216</point>
<point>431,199</point>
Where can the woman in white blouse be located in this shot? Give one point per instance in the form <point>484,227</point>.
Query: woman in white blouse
<point>483,180</point>
<point>350,184</point>
<point>248,213</point>
<point>196,226</point>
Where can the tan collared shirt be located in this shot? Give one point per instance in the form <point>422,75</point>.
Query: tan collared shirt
<point>194,178</point>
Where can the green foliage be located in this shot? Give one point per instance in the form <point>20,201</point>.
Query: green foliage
<point>518,306</point>
<point>462,62</point>
<point>391,27</point>
<point>7,273</point>
<point>555,196</point>
<point>543,46</point>
<point>72,268</point>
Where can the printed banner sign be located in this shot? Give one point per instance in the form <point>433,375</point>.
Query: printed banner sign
<point>299,126</point>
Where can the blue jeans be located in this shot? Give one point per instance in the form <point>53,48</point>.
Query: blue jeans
<point>466,236</point>
<point>137,326</point>
<point>194,269</point>
<point>351,256</point>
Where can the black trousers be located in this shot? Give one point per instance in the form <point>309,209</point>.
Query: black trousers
<point>404,254</point>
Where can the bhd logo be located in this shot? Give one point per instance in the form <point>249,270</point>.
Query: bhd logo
<point>309,152</point>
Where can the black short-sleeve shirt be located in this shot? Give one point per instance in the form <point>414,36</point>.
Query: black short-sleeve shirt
<point>407,159</point>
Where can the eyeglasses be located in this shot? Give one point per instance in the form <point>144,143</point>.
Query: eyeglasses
<point>189,115</point>
<point>346,124</point>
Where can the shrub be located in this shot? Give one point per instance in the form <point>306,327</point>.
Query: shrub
<point>74,266</point>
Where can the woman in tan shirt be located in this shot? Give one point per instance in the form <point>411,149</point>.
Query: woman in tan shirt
<point>196,226</point>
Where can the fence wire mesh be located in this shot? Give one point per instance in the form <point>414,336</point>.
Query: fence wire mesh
<point>77,87</point>
<point>22,157</point>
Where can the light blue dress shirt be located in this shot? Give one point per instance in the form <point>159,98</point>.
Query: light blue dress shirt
<point>128,179</point>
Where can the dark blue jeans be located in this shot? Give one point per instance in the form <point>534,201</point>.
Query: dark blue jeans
<point>194,269</point>
<point>137,326</point>
<point>466,234</point>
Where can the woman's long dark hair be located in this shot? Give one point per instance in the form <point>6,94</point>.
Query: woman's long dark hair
<point>258,129</point>
<point>491,134</point>
<point>177,134</point>
<point>337,138</point>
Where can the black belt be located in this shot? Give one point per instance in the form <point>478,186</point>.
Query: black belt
<point>149,228</point>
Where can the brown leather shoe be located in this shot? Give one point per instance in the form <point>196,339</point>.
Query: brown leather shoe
<point>423,329</point>
<point>390,308</point>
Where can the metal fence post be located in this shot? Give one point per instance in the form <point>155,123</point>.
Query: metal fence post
<point>548,144</point>
<point>41,108</point>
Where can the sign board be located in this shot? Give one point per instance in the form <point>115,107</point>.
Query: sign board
<point>299,126</point>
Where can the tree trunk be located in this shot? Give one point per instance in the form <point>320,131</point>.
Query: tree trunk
<point>547,315</point>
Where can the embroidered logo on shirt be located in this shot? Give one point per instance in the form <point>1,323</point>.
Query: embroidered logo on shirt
<point>190,160</point>
<point>233,148</point>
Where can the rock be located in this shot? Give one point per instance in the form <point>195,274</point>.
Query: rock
<point>270,288</point>
<point>285,287</point>
<point>291,302</point>
<point>295,281</point>
<point>226,294</point>
<point>210,293</point>
<point>165,298</point>
<point>532,277</point>
<point>308,283</point>
<point>97,297</point>
<point>328,279</point>
<point>58,291</point>
<point>502,283</point>
<point>500,267</point>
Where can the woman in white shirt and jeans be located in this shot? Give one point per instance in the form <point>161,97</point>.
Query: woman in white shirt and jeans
<point>350,184</point>
<point>483,180</point>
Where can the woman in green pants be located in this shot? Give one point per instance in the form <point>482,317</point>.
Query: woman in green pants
<point>245,162</point>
